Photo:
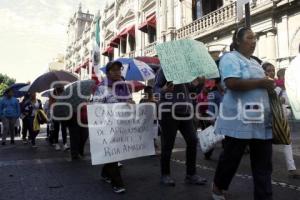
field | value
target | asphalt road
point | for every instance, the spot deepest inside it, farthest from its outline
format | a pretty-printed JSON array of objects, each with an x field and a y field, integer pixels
[{"x": 46, "y": 174}]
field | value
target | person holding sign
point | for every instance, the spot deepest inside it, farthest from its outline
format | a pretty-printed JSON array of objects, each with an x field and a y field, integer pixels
[
  {"x": 177, "y": 98},
  {"x": 245, "y": 118},
  {"x": 111, "y": 90}
]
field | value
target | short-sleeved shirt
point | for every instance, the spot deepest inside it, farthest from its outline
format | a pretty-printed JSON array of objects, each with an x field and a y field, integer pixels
[{"x": 243, "y": 114}]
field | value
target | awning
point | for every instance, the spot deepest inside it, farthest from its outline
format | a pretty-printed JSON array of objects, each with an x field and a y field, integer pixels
[
  {"x": 113, "y": 44},
  {"x": 150, "y": 21},
  {"x": 85, "y": 64},
  {"x": 129, "y": 30},
  {"x": 77, "y": 69},
  {"x": 116, "y": 39},
  {"x": 108, "y": 51}
]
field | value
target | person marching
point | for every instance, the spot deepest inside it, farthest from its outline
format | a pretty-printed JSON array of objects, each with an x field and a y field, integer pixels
[
  {"x": 245, "y": 94},
  {"x": 30, "y": 109},
  {"x": 9, "y": 112},
  {"x": 111, "y": 90},
  {"x": 179, "y": 93}
]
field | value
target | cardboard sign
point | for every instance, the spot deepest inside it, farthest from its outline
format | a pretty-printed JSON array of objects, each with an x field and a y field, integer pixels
[{"x": 120, "y": 131}]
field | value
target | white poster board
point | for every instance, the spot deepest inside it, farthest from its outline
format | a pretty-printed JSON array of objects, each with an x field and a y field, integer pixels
[
  {"x": 292, "y": 85},
  {"x": 120, "y": 131}
]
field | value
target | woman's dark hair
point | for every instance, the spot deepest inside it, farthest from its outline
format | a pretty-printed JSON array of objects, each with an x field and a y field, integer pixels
[
  {"x": 110, "y": 64},
  {"x": 148, "y": 89},
  {"x": 266, "y": 65},
  {"x": 237, "y": 37}
]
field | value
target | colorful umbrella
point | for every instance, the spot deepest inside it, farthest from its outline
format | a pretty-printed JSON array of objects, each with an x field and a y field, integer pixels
[
  {"x": 153, "y": 62},
  {"x": 134, "y": 70}
]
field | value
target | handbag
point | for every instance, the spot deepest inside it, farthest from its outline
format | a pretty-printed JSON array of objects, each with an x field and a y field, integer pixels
[
  {"x": 208, "y": 139},
  {"x": 280, "y": 126}
]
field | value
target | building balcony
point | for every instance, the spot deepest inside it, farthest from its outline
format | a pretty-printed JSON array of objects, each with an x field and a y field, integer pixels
[
  {"x": 86, "y": 52},
  {"x": 149, "y": 50},
  {"x": 131, "y": 54},
  {"x": 67, "y": 56},
  {"x": 220, "y": 18},
  {"x": 77, "y": 47},
  {"x": 85, "y": 40},
  {"x": 69, "y": 66},
  {"x": 78, "y": 59}
]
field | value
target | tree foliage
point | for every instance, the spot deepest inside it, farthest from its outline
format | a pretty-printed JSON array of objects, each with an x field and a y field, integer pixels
[{"x": 5, "y": 82}]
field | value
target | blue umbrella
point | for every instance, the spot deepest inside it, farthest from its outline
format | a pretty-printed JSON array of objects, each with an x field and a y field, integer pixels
[
  {"x": 16, "y": 89},
  {"x": 134, "y": 70}
]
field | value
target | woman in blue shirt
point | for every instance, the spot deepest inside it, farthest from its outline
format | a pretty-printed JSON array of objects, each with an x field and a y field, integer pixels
[{"x": 245, "y": 117}]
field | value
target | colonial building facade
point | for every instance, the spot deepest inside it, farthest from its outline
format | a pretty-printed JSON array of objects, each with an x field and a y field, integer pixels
[
  {"x": 131, "y": 28},
  {"x": 80, "y": 36}
]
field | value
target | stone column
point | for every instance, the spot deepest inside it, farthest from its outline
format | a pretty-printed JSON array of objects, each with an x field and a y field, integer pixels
[
  {"x": 271, "y": 42},
  {"x": 158, "y": 23},
  {"x": 163, "y": 14},
  {"x": 171, "y": 14},
  {"x": 181, "y": 13},
  {"x": 170, "y": 22},
  {"x": 138, "y": 34}
]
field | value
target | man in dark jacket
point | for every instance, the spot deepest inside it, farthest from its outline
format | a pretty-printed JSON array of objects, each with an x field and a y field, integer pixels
[{"x": 176, "y": 102}]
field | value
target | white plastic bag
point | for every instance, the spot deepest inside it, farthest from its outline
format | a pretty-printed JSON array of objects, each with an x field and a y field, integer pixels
[{"x": 208, "y": 139}]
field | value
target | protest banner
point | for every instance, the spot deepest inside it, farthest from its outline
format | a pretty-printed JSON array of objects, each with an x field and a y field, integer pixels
[
  {"x": 120, "y": 131},
  {"x": 184, "y": 60},
  {"x": 292, "y": 83}
]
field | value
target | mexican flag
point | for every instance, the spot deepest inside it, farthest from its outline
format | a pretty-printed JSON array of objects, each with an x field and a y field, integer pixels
[
  {"x": 96, "y": 52},
  {"x": 97, "y": 33}
]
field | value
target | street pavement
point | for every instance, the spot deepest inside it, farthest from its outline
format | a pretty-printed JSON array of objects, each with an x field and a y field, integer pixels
[{"x": 46, "y": 174}]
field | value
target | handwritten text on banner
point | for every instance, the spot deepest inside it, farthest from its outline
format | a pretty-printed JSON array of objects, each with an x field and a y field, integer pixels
[
  {"x": 120, "y": 131},
  {"x": 184, "y": 60}
]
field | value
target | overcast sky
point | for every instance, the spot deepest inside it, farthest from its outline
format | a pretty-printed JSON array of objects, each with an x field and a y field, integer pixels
[{"x": 33, "y": 32}]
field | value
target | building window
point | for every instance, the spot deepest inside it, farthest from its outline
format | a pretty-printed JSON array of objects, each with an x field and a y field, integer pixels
[
  {"x": 197, "y": 9},
  {"x": 151, "y": 34},
  {"x": 110, "y": 57},
  {"x": 204, "y": 7},
  {"x": 123, "y": 46},
  {"x": 131, "y": 40}
]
